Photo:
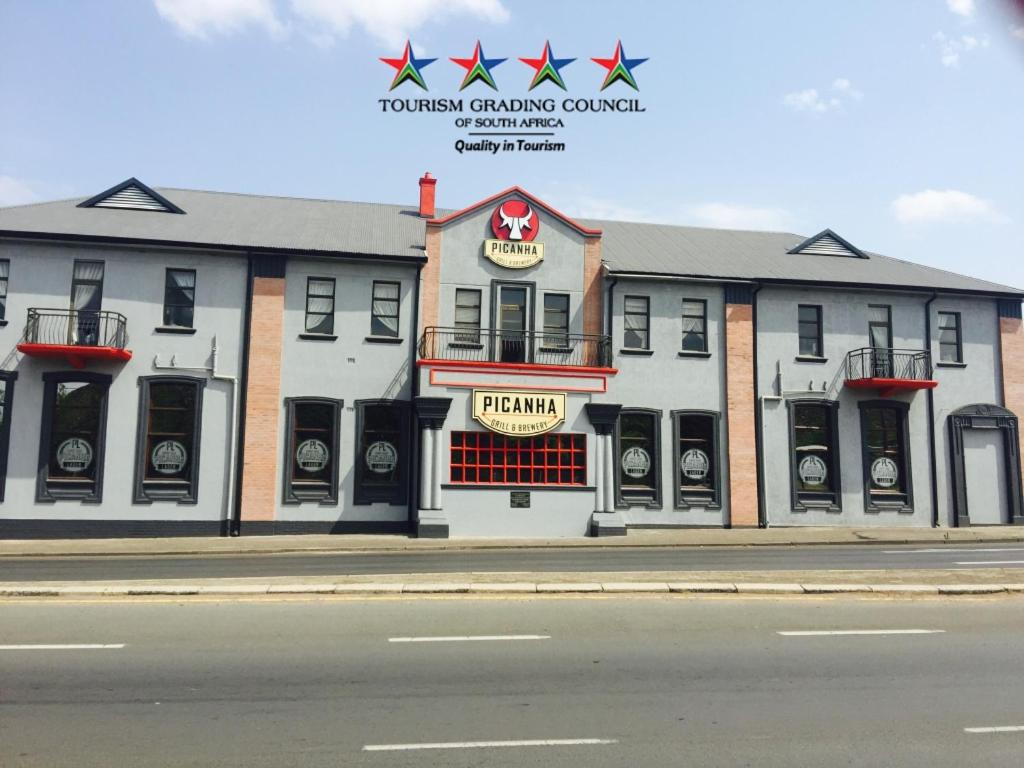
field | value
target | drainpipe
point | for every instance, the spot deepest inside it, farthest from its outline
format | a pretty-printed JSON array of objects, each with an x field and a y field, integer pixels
[
  {"x": 609, "y": 310},
  {"x": 414, "y": 374},
  {"x": 762, "y": 515},
  {"x": 932, "y": 461},
  {"x": 235, "y": 524}
]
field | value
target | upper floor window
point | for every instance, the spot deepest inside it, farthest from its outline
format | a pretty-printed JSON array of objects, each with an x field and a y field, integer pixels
[
  {"x": 86, "y": 301},
  {"x": 695, "y": 325},
  {"x": 5, "y": 271},
  {"x": 950, "y": 338},
  {"x": 556, "y": 319},
  {"x": 384, "y": 319},
  {"x": 320, "y": 305},
  {"x": 467, "y": 315},
  {"x": 180, "y": 298},
  {"x": 167, "y": 459},
  {"x": 809, "y": 329},
  {"x": 72, "y": 436},
  {"x": 880, "y": 326},
  {"x": 637, "y": 322}
]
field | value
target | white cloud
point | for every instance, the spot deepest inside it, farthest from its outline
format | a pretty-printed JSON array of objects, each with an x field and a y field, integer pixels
[
  {"x": 963, "y": 8},
  {"x": 951, "y": 49},
  {"x": 809, "y": 100},
  {"x": 206, "y": 18},
  {"x": 16, "y": 192},
  {"x": 933, "y": 205},
  {"x": 731, "y": 216},
  {"x": 844, "y": 86},
  {"x": 1017, "y": 32}
]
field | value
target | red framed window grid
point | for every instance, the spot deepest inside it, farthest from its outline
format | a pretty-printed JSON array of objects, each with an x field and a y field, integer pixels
[{"x": 488, "y": 458}]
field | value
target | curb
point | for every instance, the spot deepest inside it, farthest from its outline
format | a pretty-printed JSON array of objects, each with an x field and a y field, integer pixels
[{"x": 523, "y": 588}]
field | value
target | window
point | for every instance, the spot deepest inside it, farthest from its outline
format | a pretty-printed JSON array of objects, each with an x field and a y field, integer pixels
[
  {"x": 467, "y": 315},
  {"x": 696, "y": 458},
  {"x": 320, "y": 305},
  {"x": 950, "y": 339},
  {"x": 6, "y": 399},
  {"x": 489, "y": 458},
  {"x": 638, "y": 435},
  {"x": 384, "y": 320},
  {"x": 179, "y": 298},
  {"x": 880, "y": 338},
  {"x": 5, "y": 271},
  {"x": 382, "y": 455},
  {"x": 311, "y": 462},
  {"x": 167, "y": 460},
  {"x": 695, "y": 325},
  {"x": 72, "y": 435},
  {"x": 886, "y": 462},
  {"x": 809, "y": 329},
  {"x": 86, "y": 302},
  {"x": 637, "y": 319},
  {"x": 556, "y": 320},
  {"x": 814, "y": 453}
]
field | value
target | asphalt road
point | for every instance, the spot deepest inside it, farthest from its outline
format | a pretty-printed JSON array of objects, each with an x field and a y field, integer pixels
[
  {"x": 816, "y": 557},
  {"x": 614, "y": 682}
]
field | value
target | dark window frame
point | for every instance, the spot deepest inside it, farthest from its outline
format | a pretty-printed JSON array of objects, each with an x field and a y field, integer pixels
[
  {"x": 557, "y": 339},
  {"x": 310, "y": 279},
  {"x": 148, "y": 491},
  {"x": 646, "y": 314},
  {"x": 801, "y": 501},
  {"x": 468, "y": 334},
  {"x": 398, "y": 310},
  {"x": 636, "y": 498},
  {"x": 44, "y": 492},
  {"x": 168, "y": 286},
  {"x": 887, "y": 325},
  {"x": 686, "y": 499},
  {"x": 819, "y": 336},
  {"x": 870, "y": 503},
  {"x": 5, "y": 278},
  {"x": 296, "y": 495},
  {"x": 957, "y": 328},
  {"x": 398, "y": 493},
  {"x": 703, "y": 317},
  {"x": 8, "y": 378}
]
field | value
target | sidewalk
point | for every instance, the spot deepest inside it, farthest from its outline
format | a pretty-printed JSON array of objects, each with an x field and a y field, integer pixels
[{"x": 687, "y": 537}]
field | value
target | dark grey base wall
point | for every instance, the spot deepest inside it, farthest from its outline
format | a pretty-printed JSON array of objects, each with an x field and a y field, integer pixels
[
  {"x": 285, "y": 527},
  {"x": 125, "y": 529}
]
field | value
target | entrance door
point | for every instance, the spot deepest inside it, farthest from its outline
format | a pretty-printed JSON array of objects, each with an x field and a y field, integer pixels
[
  {"x": 513, "y": 309},
  {"x": 985, "y": 476},
  {"x": 880, "y": 338},
  {"x": 86, "y": 301}
]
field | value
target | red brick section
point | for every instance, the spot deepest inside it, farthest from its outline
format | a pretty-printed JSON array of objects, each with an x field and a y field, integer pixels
[
  {"x": 263, "y": 400},
  {"x": 1011, "y": 340},
  {"x": 593, "y": 295},
  {"x": 739, "y": 382},
  {"x": 430, "y": 278}
]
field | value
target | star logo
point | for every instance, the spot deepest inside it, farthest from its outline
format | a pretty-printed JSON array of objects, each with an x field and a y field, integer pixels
[
  {"x": 546, "y": 68},
  {"x": 478, "y": 68},
  {"x": 408, "y": 68},
  {"x": 619, "y": 68}
]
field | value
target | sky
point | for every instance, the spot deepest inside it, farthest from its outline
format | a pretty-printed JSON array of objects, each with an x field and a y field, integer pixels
[{"x": 897, "y": 124}]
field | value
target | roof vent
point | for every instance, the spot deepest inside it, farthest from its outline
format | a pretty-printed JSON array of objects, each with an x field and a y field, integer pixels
[
  {"x": 828, "y": 243},
  {"x": 132, "y": 195}
]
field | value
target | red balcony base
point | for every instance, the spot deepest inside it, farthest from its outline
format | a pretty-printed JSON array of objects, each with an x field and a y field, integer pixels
[
  {"x": 888, "y": 387},
  {"x": 77, "y": 356}
]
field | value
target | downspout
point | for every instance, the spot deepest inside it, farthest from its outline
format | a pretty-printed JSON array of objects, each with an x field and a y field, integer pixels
[
  {"x": 235, "y": 527},
  {"x": 762, "y": 515},
  {"x": 414, "y": 373},
  {"x": 609, "y": 309},
  {"x": 932, "y": 461}
]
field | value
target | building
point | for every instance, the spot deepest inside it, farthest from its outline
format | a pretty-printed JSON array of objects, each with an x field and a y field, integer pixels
[{"x": 181, "y": 362}]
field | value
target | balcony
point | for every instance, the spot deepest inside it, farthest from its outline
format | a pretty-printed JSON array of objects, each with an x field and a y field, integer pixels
[
  {"x": 76, "y": 335},
  {"x": 889, "y": 370},
  {"x": 516, "y": 349}
]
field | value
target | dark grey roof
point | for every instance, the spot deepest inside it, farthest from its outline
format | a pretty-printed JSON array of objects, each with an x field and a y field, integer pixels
[{"x": 296, "y": 224}]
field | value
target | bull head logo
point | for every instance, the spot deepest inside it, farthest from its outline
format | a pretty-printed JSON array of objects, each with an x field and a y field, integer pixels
[{"x": 516, "y": 224}]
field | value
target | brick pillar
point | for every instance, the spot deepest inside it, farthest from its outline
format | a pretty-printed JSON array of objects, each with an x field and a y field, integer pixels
[
  {"x": 593, "y": 293},
  {"x": 739, "y": 384},
  {"x": 1011, "y": 347},
  {"x": 260, "y": 452},
  {"x": 430, "y": 278}
]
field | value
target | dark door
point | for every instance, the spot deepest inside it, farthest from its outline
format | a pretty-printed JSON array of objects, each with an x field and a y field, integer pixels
[
  {"x": 86, "y": 302},
  {"x": 513, "y": 307},
  {"x": 880, "y": 339}
]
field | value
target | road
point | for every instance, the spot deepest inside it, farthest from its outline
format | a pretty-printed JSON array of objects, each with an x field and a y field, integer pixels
[
  {"x": 655, "y": 681},
  {"x": 790, "y": 558}
]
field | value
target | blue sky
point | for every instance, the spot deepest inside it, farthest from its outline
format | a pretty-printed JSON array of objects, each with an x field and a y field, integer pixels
[{"x": 897, "y": 124}]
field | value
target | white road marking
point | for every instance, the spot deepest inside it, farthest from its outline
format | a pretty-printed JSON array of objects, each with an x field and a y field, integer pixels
[
  {"x": 989, "y": 562},
  {"x": 948, "y": 549},
  {"x": 465, "y": 638},
  {"x": 829, "y": 632},
  {"x": 997, "y": 729},
  {"x": 488, "y": 744},
  {"x": 69, "y": 647}
]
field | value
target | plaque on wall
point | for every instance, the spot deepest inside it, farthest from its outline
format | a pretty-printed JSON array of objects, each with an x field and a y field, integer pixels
[{"x": 519, "y": 499}]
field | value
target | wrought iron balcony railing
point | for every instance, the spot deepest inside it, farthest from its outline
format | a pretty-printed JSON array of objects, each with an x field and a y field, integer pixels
[
  {"x": 76, "y": 328},
  {"x": 533, "y": 347},
  {"x": 911, "y": 367}
]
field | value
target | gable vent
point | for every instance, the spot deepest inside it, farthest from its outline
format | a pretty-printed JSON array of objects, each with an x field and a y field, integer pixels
[
  {"x": 828, "y": 243},
  {"x": 131, "y": 195}
]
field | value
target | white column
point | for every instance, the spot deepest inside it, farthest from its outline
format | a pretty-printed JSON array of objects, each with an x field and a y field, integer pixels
[
  {"x": 599, "y": 472},
  {"x": 609, "y": 476},
  {"x": 435, "y": 494},
  {"x": 426, "y": 468}
]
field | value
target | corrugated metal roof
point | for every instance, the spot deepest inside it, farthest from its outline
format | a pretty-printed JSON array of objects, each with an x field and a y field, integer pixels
[{"x": 372, "y": 229}]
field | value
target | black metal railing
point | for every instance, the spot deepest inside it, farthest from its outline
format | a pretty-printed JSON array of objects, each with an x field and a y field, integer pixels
[
  {"x": 885, "y": 363},
  {"x": 76, "y": 328},
  {"x": 536, "y": 347}
]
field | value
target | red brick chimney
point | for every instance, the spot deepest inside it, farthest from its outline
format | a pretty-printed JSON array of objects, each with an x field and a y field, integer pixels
[{"x": 427, "y": 184}]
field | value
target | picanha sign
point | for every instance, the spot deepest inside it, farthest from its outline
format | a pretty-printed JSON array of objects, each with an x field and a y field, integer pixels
[
  {"x": 515, "y": 225},
  {"x": 519, "y": 414}
]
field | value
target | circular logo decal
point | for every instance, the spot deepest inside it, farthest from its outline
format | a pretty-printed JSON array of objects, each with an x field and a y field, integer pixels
[
  {"x": 515, "y": 220},
  {"x": 812, "y": 470},
  {"x": 636, "y": 462},
  {"x": 311, "y": 455},
  {"x": 74, "y": 455},
  {"x": 381, "y": 457},
  {"x": 884, "y": 472},
  {"x": 694, "y": 464},
  {"x": 169, "y": 457}
]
